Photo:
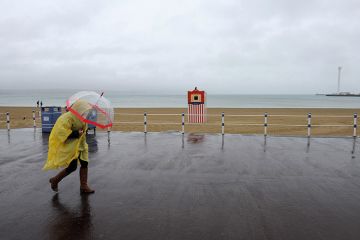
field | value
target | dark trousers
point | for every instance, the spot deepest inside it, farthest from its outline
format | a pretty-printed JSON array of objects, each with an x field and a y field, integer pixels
[{"x": 73, "y": 165}]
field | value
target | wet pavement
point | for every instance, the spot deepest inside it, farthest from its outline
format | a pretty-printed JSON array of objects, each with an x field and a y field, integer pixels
[{"x": 165, "y": 186}]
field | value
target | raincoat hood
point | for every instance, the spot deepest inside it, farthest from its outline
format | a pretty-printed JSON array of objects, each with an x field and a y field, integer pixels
[{"x": 80, "y": 109}]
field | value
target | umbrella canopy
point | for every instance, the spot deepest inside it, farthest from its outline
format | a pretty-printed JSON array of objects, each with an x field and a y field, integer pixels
[{"x": 92, "y": 108}]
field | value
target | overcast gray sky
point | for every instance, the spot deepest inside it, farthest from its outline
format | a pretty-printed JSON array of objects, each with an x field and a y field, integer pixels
[{"x": 227, "y": 46}]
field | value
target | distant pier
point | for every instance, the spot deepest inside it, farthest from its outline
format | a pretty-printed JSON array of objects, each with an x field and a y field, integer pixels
[{"x": 343, "y": 94}]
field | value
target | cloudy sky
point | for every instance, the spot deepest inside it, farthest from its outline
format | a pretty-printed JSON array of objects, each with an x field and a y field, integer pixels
[{"x": 228, "y": 46}]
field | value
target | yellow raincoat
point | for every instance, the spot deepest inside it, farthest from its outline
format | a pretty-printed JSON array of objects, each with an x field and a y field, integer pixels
[{"x": 63, "y": 150}]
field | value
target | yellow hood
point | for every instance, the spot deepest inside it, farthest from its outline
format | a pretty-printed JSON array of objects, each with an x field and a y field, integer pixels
[{"x": 81, "y": 107}]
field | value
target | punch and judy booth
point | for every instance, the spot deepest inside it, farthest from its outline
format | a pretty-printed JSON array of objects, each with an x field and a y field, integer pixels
[{"x": 196, "y": 106}]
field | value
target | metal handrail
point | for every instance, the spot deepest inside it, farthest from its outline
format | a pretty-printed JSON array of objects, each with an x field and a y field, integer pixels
[
  {"x": 266, "y": 124},
  {"x": 220, "y": 122},
  {"x": 231, "y": 115}
]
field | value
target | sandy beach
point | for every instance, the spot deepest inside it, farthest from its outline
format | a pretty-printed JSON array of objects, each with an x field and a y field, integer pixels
[{"x": 132, "y": 119}]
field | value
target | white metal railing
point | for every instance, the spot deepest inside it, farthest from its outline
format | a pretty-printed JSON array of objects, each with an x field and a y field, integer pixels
[
  {"x": 6, "y": 119},
  {"x": 34, "y": 119},
  {"x": 266, "y": 124},
  {"x": 307, "y": 124}
]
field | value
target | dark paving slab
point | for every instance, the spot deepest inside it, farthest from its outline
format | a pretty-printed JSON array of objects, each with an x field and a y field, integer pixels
[{"x": 163, "y": 186}]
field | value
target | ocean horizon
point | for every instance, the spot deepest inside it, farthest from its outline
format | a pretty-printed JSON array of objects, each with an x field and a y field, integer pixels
[{"x": 28, "y": 98}]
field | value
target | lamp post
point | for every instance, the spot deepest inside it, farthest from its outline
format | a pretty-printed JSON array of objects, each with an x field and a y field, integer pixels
[{"x": 339, "y": 74}]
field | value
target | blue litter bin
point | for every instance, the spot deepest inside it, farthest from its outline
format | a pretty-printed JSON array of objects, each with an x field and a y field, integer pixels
[
  {"x": 92, "y": 117},
  {"x": 49, "y": 115}
]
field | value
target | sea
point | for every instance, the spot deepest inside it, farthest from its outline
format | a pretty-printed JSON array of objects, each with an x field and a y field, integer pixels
[{"x": 52, "y": 97}]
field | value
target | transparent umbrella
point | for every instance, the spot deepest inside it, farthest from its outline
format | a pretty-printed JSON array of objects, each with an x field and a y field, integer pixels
[{"x": 97, "y": 111}]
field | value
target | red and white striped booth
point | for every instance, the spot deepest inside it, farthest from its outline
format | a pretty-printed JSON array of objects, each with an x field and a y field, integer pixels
[{"x": 196, "y": 106}]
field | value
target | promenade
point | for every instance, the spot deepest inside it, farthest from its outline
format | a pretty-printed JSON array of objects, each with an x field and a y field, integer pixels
[{"x": 196, "y": 186}]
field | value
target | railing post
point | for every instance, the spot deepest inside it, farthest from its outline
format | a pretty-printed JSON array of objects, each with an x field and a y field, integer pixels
[
  {"x": 145, "y": 123},
  {"x": 222, "y": 123},
  {"x": 33, "y": 114},
  {"x": 309, "y": 125},
  {"x": 355, "y": 125},
  {"x": 182, "y": 123},
  {"x": 265, "y": 123},
  {"x": 8, "y": 121}
]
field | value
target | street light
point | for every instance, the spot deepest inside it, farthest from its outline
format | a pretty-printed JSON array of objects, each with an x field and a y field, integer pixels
[{"x": 339, "y": 73}]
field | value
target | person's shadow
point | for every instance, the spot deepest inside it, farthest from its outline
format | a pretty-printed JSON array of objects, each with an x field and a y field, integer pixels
[{"x": 71, "y": 223}]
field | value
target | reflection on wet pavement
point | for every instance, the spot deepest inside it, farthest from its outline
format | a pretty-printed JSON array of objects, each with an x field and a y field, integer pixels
[
  {"x": 195, "y": 138},
  {"x": 92, "y": 142},
  {"x": 71, "y": 223}
]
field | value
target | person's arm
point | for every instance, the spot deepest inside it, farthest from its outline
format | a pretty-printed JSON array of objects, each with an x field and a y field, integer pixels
[
  {"x": 83, "y": 146},
  {"x": 76, "y": 134}
]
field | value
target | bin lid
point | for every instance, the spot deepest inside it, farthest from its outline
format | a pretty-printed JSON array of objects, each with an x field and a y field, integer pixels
[
  {"x": 92, "y": 108},
  {"x": 51, "y": 109}
]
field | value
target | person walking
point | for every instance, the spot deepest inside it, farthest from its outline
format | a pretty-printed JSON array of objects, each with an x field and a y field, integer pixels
[{"x": 68, "y": 147}]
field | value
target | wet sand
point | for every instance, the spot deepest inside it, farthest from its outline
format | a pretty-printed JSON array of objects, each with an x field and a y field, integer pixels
[
  {"x": 21, "y": 117},
  {"x": 165, "y": 186}
]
